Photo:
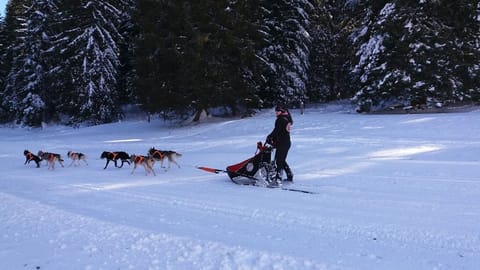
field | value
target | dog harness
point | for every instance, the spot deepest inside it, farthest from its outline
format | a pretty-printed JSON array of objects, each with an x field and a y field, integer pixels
[
  {"x": 114, "y": 155},
  {"x": 30, "y": 156},
  {"x": 159, "y": 153},
  {"x": 75, "y": 155},
  {"x": 139, "y": 159}
]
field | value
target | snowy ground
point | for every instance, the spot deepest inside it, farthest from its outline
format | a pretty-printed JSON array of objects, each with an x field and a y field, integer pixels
[{"x": 393, "y": 192}]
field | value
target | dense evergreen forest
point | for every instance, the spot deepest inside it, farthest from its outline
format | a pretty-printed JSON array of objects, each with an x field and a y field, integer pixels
[{"x": 82, "y": 61}]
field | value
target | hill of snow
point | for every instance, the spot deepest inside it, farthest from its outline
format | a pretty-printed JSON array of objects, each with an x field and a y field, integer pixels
[{"x": 392, "y": 192}]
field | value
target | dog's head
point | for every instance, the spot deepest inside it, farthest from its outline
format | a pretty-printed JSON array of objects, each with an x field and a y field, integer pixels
[
  {"x": 69, "y": 153},
  {"x": 152, "y": 150},
  {"x": 104, "y": 154},
  {"x": 26, "y": 152}
]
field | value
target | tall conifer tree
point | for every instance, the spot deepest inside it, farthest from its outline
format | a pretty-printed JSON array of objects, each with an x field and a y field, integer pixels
[
  {"x": 286, "y": 25},
  {"x": 91, "y": 52}
]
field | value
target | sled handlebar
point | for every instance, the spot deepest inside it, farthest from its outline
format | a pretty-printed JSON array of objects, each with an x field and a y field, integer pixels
[{"x": 262, "y": 146}]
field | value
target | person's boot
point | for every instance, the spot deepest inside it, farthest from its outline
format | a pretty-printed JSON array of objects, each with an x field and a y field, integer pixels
[
  {"x": 277, "y": 181},
  {"x": 289, "y": 173}
]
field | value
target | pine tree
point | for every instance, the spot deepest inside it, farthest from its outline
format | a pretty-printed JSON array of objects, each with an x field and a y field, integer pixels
[
  {"x": 330, "y": 57},
  {"x": 192, "y": 56},
  {"x": 224, "y": 54},
  {"x": 33, "y": 71},
  {"x": 10, "y": 33},
  {"x": 159, "y": 44},
  {"x": 417, "y": 54},
  {"x": 371, "y": 70},
  {"x": 3, "y": 62},
  {"x": 24, "y": 92},
  {"x": 90, "y": 49},
  {"x": 127, "y": 29},
  {"x": 442, "y": 36},
  {"x": 285, "y": 26}
]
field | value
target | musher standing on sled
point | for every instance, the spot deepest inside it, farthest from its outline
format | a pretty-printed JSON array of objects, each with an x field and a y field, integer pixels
[{"x": 280, "y": 139}]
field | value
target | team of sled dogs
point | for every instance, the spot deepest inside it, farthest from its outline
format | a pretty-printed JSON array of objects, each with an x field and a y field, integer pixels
[{"x": 146, "y": 161}]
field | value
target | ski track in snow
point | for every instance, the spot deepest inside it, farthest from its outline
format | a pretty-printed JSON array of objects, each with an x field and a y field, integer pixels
[{"x": 392, "y": 192}]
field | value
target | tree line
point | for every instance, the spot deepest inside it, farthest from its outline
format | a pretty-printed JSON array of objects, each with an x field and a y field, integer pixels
[{"x": 81, "y": 61}]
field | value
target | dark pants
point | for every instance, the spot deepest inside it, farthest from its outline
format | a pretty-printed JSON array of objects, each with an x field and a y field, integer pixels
[{"x": 280, "y": 159}]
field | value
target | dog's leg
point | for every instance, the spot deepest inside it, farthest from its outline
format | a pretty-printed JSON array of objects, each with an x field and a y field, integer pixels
[
  {"x": 125, "y": 161},
  {"x": 134, "y": 167},
  {"x": 170, "y": 160},
  {"x": 151, "y": 167},
  {"x": 146, "y": 169},
  {"x": 108, "y": 160},
  {"x": 176, "y": 163}
]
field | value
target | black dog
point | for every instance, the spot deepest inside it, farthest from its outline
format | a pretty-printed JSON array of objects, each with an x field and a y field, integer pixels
[
  {"x": 114, "y": 156},
  {"x": 29, "y": 156}
]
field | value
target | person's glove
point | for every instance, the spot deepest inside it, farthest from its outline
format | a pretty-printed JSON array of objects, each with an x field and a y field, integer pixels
[{"x": 270, "y": 140}]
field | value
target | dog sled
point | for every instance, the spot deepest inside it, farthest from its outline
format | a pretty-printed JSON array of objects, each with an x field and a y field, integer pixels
[{"x": 259, "y": 170}]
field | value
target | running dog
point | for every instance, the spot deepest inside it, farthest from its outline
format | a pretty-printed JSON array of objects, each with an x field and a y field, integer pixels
[
  {"x": 76, "y": 157},
  {"x": 29, "y": 156},
  {"x": 160, "y": 155},
  {"x": 50, "y": 158},
  {"x": 146, "y": 162},
  {"x": 114, "y": 156}
]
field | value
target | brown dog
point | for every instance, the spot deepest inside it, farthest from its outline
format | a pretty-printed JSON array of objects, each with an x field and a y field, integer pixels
[
  {"x": 50, "y": 158},
  {"x": 146, "y": 162},
  {"x": 160, "y": 155},
  {"x": 76, "y": 157}
]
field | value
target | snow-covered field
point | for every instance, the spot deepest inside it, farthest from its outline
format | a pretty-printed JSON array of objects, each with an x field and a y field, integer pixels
[{"x": 392, "y": 192}]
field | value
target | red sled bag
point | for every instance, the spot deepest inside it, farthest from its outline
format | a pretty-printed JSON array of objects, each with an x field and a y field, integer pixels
[{"x": 245, "y": 172}]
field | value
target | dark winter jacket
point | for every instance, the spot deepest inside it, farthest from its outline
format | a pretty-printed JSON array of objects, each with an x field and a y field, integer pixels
[{"x": 280, "y": 136}]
